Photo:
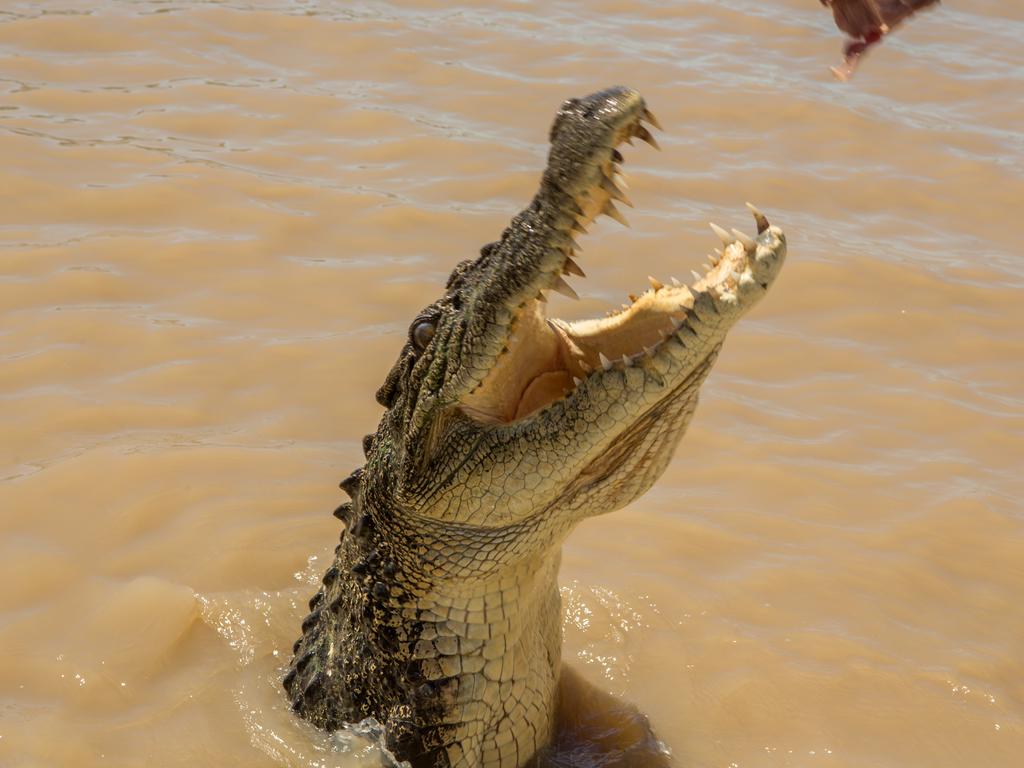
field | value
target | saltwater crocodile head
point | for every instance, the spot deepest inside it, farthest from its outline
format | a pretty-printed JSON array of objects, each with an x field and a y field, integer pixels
[
  {"x": 500, "y": 415},
  {"x": 504, "y": 428}
]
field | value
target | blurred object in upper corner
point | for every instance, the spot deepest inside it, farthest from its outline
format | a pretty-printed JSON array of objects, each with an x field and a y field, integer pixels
[{"x": 866, "y": 22}]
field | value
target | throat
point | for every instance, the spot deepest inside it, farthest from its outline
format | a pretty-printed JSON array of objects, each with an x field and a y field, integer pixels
[
  {"x": 546, "y": 388},
  {"x": 530, "y": 373}
]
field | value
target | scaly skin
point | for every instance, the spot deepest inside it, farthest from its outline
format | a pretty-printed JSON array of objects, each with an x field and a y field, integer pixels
[{"x": 440, "y": 615}]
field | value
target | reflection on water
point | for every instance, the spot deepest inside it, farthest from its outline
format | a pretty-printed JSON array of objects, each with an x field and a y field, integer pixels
[{"x": 217, "y": 220}]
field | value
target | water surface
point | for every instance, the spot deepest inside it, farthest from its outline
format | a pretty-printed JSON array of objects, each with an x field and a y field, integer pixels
[{"x": 217, "y": 219}]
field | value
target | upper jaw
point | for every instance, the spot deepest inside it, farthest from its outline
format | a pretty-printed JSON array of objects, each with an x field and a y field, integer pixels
[
  {"x": 582, "y": 181},
  {"x": 536, "y": 251},
  {"x": 532, "y": 361}
]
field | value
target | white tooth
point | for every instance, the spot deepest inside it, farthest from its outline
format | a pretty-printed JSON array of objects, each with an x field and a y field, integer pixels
[
  {"x": 564, "y": 288},
  {"x": 718, "y": 252},
  {"x": 676, "y": 282},
  {"x": 722, "y": 234},
  {"x": 576, "y": 381},
  {"x": 747, "y": 240},
  {"x": 586, "y": 367},
  {"x": 627, "y": 360},
  {"x": 655, "y": 283},
  {"x": 612, "y": 212},
  {"x": 707, "y": 267},
  {"x": 608, "y": 185},
  {"x": 650, "y": 118},
  {"x": 572, "y": 268},
  {"x": 644, "y": 134},
  {"x": 649, "y": 351},
  {"x": 605, "y": 362},
  {"x": 759, "y": 218},
  {"x": 696, "y": 276},
  {"x": 714, "y": 259},
  {"x": 620, "y": 180},
  {"x": 565, "y": 240}
]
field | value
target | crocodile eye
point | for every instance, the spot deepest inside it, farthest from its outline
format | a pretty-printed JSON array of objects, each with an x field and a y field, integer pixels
[{"x": 422, "y": 333}]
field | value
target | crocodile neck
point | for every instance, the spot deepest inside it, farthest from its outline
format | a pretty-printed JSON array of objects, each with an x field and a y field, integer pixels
[{"x": 458, "y": 670}]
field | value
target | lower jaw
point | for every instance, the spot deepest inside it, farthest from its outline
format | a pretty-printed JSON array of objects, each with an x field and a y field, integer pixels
[{"x": 548, "y": 359}]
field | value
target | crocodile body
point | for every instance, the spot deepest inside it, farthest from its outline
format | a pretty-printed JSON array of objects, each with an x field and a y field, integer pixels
[{"x": 440, "y": 615}]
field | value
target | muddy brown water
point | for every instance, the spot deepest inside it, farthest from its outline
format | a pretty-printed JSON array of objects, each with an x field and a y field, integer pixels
[{"x": 217, "y": 219}]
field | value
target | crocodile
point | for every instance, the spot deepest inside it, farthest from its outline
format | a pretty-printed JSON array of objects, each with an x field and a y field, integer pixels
[{"x": 503, "y": 428}]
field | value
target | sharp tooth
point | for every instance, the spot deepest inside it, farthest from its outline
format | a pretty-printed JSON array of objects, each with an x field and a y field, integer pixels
[
  {"x": 649, "y": 351},
  {"x": 627, "y": 360},
  {"x": 541, "y": 296},
  {"x": 747, "y": 240},
  {"x": 574, "y": 207},
  {"x": 620, "y": 180},
  {"x": 576, "y": 381},
  {"x": 632, "y": 297},
  {"x": 676, "y": 282},
  {"x": 578, "y": 227},
  {"x": 722, "y": 234},
  {"x": 585, "y": 367},
  {"x": 642, "y": 133},
  {"x": 707, "y": 267},
  {"x": 759, "y": 218},
  {"x": 714, "y": 259},
  {"x": 696, "y": 275},
  {"x": 609, "y": 186},
  {"x": 719, "y": 252},
  {"x": 605, "y": 362},
  {"x": 572, "y": 268},
  {"x": 612, "y": 212},
  {"x": 655, "y": 283},
  {"x": 650, "y": 118},
  {"x": 565, "y": 240},
  {"x": 564, "y": 288}
]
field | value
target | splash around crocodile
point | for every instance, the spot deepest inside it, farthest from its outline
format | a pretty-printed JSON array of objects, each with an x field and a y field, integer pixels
[{"x": 504, "y": 428}]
